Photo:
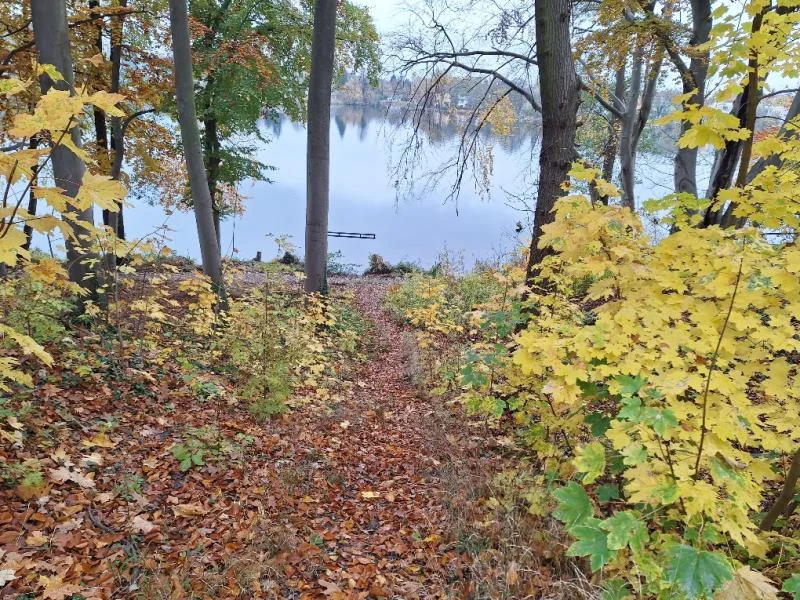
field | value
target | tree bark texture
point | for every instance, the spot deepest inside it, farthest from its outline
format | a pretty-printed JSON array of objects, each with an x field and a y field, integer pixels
[
  {"x": 560, "y": 92},
  {"x": 190, "y": 135},
  {"x": 51, "y": 37},
  {"x": 318, "y": 153},
  {"x": 693, "y": 81}
]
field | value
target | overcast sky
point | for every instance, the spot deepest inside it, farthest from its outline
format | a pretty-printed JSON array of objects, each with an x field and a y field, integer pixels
[{"x": 384, "y": 12}]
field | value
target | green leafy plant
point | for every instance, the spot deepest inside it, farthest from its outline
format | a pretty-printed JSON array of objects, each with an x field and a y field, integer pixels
[{"x": 189, "y": 455}]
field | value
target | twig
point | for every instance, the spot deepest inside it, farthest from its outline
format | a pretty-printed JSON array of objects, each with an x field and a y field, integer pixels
[{"x": 711, "y": 367}]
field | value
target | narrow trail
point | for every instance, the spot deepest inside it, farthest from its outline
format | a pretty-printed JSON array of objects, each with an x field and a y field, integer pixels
[
  {"x": 372, "y": 487},
  {"x": 361, "y": 495}
]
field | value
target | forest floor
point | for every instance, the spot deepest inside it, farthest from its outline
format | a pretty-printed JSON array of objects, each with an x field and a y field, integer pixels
[{"x": 381, "y": 494}]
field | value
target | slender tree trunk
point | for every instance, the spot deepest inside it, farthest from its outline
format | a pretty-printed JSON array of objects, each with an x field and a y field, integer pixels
[
  {"x": 560, "y": 94},
  {"x": 785, "y": 132},
  {"x": 32, "y": 203},
  {"x": 318, "y": 153},
  {"x": 100, "y": 125},
  {"x": 115, "y": 220},
  {"x": 109, "y": 262},
  {"x": 612, "y": 142},
  {"x": 190, "y": 135},
  {"x": 786, "y": 495},
  {"x": 51, "y": 36},
  {"x": 694, "y": 82},
  {"x": 611, "y": 145},
  {"x": 725, "y": 161},
  {"x": 627, "y": 151},
  {"x": 648, "y": 95},
  {"x": 739, "y": 151},
  {"x": 211, "y": 149}
]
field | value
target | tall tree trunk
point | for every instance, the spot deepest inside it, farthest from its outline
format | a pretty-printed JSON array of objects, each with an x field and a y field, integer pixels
[
  {"x": 693, "y": 81},
  {"x": 32, "y": 203},
  {"x": 612, "y": 141},
  {"x": 726, "y": 159},
  {"x": 115, "y": 220},
  {"x": 217, "y": 226},
  {"x": 51, "y": 36},
  {"x": 109, "y": 263},
  {"x": 560, "y": 94},
  {"x": 318, "y": 152},
  {"x": 211, "y": 148},
  {"x": 190, "y": 135},
  {"x": 627, "y": 151},
  {"x": 744, "y": 108}
]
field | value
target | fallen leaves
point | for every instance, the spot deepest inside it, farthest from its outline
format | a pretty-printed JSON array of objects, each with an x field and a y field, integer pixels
[
  {"x": 36, "y": 539},
  {"x": 64, "y": 474},
  {"x": 140, "y": 524},
  {"x": 6, "y": 575},
  {"x": 100, "y": 440},
  {"x": 189, "y": 510},
  {"x": 351, "y": 515},
  {"x": 56, "y": 589}
]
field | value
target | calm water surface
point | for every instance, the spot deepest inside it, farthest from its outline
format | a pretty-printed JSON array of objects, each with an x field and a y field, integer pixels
[
  {"x": 365, "y": 146},
  {"x": 363, "y": 198}
]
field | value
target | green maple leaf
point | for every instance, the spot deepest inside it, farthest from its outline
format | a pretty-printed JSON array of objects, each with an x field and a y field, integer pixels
[
  {"x": 608, "y": 492},
  {"x": 574, "y": 505},
  {"x": 635, "y": 454},
  {"x": 615, "y": 589},
  {"x": 631, "y": 409},
  {"x": 598, "y": 422},
  {"x": 792, "y": 585},
  {"x": 660, "y": 421},
  {"x": 591, "y": 541},
  {"x": 591, "y": 460},
  {"x": 629, "y": 386},
  {"x": 697, "y": 574},
  {"x": 666, "y": 491},
  {"x": 626, "y": 528}
]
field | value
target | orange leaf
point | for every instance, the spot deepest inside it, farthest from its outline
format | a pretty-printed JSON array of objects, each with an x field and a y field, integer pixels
[{"x": 189, "y": 510}]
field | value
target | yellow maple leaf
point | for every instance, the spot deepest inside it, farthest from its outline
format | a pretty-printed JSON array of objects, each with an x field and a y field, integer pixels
[
  {"x": 747, "y": 584},
  {"x": 107, "y": 102},
  {"x": 101, "y": 440},
  {"x": 100, "y": 190},
  {"x": 11, "y": 245},
  {"x": 56, "y": 589},
  {"x": 55, "y": 111}
]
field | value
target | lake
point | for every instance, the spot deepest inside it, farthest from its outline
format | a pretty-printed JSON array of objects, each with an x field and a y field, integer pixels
[
  {"x": 365, "y": 143},
  {"x": 412, "y": 219}
]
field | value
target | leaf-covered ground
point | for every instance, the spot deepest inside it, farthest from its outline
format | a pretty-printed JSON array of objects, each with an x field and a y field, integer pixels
[{"x": 359, "y": 498}]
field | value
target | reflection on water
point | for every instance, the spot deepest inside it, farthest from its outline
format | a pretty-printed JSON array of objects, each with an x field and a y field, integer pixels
[
  {"x": 440, "y": 128},
  {"x": 364, "y": 197}
]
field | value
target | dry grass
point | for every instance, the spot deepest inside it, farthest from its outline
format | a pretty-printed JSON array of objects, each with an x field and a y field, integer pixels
[
  {"x": 512, "y": 553},
  {"x": 509, "y": 553},
  {"x": 256, "y": 570}
]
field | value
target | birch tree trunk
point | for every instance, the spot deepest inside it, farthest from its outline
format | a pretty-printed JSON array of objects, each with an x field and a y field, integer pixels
[
  {"x": 190, "y": 136},
  {"x": 51, "y": 37},
  {"x": 318, "y": 153}
]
